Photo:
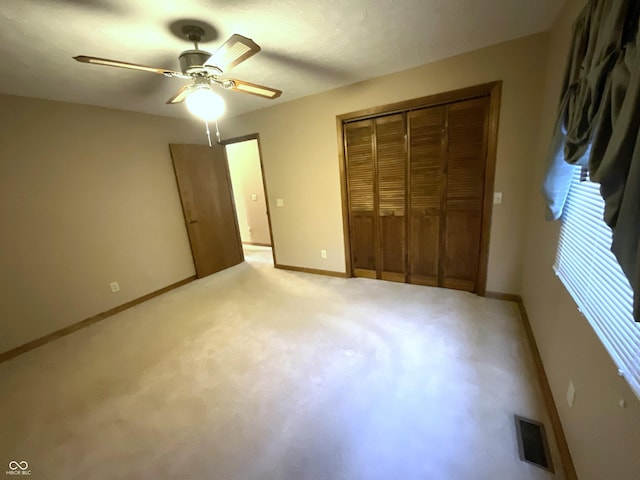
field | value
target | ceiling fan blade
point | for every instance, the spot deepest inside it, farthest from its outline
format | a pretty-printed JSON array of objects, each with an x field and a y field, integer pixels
[
  {"x": 232, "y": 52},
  {"x": 252, "y": 88},
  {"x": 130, "y": 66},
  {"x": 180, "y": 96}
]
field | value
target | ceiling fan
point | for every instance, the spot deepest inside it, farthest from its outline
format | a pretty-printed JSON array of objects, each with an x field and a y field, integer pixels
[{"x": 203, "y": 68}]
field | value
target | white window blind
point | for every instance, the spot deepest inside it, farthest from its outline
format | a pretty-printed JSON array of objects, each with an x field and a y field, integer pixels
[{"x": 593, "y": 277}]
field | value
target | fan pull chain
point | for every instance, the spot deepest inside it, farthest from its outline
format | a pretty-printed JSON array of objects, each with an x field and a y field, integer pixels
[
  {"x": 217, "y": 133},
  {"x": 206, "y": 124}
]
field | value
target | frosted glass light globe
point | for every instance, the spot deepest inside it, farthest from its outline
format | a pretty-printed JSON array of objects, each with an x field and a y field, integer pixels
[{"x": 205, "y": 104}]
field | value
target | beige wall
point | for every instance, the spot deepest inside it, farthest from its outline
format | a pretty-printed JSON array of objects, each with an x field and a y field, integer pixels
[
  {"x": 300, "y": 152},
  {"x": 604, "y": 438},
  {"x": 88, "y": 196},
  {"x": 246, "y": 178}
]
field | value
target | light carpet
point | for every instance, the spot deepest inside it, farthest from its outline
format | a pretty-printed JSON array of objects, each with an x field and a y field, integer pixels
[{"x": 258, "y": 373}]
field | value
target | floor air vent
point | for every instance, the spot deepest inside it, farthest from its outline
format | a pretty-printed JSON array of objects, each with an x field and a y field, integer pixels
[{"x": 532, "y": 443}]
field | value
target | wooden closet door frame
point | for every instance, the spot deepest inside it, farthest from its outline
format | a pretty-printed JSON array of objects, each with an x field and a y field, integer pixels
[{"x": 493, "y": 91}]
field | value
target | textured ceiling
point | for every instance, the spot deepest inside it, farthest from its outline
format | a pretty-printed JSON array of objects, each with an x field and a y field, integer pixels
[{"x": 308, "y": 46}]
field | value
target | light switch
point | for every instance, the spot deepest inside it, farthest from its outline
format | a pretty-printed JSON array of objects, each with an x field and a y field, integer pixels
[
  {"x": 571, "y": 394},
  {"x": 254, "y": 197},
  {"x": 497, "y": 198},
  {"x": 279, "y": 202}
]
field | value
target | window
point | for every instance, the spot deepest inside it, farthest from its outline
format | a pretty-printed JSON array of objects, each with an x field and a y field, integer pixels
[{"x": 591, "y": 274}]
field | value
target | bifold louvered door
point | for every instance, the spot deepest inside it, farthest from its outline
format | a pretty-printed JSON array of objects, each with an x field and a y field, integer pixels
[
  {"x": 427, "y": 150},
  {"x": 361, "y": 183},
  {"x": 463, "y": 204},
  {"x": 376, "y": 179},
  {"x": 415, "y": 184},
  {"x": 391, "y": 168}
]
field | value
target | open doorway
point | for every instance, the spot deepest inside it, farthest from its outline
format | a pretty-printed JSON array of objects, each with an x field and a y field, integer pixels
[{"x": 249, "y": 191}]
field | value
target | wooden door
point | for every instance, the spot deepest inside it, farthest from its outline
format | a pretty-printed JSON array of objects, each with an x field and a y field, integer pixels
[
  {"x": 467, "y": 128},
  {"x": 391, "y": 169},
  {"x": 427, "y": 160},
  {"x": 416, "y": 187},
  {"x": 361, "y": 185},
  {"x": 204, "y": 184},
  {"x": 418, "y": 176},
  {"x": 447, "y": 157}
]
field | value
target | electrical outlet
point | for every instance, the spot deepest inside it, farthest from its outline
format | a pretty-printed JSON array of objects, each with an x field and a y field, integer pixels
[
  {"x": 571, "y": 394},
  {"x": 254, "y": 197},
  {"x": 323, "y": 253},
  {"x": 279, "y": 202},
  {"x": 114, "y": 286}
]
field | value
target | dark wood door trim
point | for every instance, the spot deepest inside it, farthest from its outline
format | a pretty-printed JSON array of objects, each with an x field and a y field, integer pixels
[
  {"x": 493, "y": 90},
  {"x": 256, "y": 136},
  {"x": 467, "y": 93},
  {"x": 495, "y": 96},
  {"x": 346, "y": 228}
]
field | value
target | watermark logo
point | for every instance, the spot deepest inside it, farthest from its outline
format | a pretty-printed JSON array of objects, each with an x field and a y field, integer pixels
[{"x": 18, "y": 468}]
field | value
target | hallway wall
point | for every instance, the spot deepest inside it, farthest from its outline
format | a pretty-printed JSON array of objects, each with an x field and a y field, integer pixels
[{"x": 248, "y": 192}]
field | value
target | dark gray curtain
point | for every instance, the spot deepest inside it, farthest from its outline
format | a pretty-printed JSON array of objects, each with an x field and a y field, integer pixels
[{"x": 599, "y": 124}]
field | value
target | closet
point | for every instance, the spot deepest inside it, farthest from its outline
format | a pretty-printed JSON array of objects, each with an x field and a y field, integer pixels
[{"x": 416, "y": 189}]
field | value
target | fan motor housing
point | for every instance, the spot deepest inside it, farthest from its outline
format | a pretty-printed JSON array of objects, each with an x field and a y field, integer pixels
[{"x": 193, "y": 62}]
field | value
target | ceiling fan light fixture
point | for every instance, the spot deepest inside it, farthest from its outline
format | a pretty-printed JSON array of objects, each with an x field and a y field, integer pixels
[{"x": 205, "y": 104}]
